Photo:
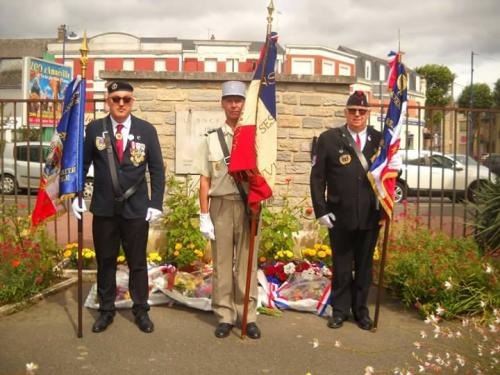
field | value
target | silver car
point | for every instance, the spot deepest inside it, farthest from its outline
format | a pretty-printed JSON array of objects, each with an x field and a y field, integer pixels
[
  {"x": 17, "y": 172},
  {"x": 435, "y": 174}
]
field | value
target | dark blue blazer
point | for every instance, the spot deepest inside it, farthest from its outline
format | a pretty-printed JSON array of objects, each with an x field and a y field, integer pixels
[{"x": 142, "y": 153}]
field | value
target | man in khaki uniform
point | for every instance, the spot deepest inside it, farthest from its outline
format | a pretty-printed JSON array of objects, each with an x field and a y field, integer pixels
[{"x": 223, "y": 220}]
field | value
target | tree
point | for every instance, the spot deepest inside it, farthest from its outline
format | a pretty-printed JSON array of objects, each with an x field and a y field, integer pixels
[
  {"x": 482, "y": 97},
  {"x": 439, "y": 79},
  {"x": 496, "y": 94}
]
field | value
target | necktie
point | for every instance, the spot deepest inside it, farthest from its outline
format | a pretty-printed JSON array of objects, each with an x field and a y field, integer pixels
[
  {"x": 119, "y": 141},
  {"x": 358, "y": 142}
]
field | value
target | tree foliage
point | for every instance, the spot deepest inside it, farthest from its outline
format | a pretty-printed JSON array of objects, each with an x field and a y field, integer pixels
[
  {"x": 496, "y": 94},
  {"x": 481, "y": 98},
  {"x": 439, "y": 78}
]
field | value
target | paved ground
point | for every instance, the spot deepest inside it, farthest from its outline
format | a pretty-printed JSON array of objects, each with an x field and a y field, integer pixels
[{"x": 183, "y": 343}]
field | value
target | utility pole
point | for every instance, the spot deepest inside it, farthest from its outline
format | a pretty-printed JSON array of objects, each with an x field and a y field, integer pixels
[{"x": 470, "y": 129}]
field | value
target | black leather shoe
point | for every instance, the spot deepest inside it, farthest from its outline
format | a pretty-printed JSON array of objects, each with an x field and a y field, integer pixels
[
  {"x": 253, "y": 331},
  {"x": 223, "y": 330},
  {"x": 104, "y": 320},
  {"x": 144, "y": 323},
  {"x": 365, "y": 323},
  {"x": 335, "y": 322}
]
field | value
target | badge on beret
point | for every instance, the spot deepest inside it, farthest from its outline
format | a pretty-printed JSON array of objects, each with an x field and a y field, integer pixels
[
  {"x": 114, "y": 86},
  {"x": 137, "y": 153},
  {"x": 99, "y": 143},
  {"x": 345, "y": 159}
]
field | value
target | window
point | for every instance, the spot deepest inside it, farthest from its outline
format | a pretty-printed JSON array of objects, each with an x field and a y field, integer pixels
[
  {"x": 160, "y": 65},
  {"x": 128, "y": 64},
  {"x": 211, "y": 65},
  {"x": 99, "y": 101},
  {"x": 301, "y": 66},
  {"x": 22, "y": 153},
  {"x": 417, "y": 83},
  {"x": 344, "y": 70},
  {"x": 381, "y": 73},
  {"x": 98, "y": 66},
  {"x": 368, "y": 70},
  {"x": 328, "y": 68},
  {"x": 232, "y": 65}
]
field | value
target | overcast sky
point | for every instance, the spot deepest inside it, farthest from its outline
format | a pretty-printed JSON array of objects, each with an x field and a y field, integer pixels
[{"x": 432, "y": 31}]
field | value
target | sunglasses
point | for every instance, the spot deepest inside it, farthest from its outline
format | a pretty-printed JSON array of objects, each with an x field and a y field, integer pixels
[
  {"x": 117, "y": 99},
  {"x": 354, "y": 111}
]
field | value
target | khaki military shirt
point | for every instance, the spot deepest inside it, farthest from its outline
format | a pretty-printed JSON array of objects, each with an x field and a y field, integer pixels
[{"x": 211, "y": 163}]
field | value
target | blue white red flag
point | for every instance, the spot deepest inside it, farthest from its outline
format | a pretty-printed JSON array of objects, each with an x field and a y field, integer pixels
[
  {"x": 254, "y": 150},
  {"x": 62, "y": 175},
  {"x": 383, "y": 178}
]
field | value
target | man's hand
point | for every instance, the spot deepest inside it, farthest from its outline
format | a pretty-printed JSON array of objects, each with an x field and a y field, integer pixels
[
  {"x": 77, "y": 210},
  {"x": 396, "y": 162},
  {"x": 327, "y": 220},
  {"x": 206, "y": 226},
  {"x": 153, "y": 214}
]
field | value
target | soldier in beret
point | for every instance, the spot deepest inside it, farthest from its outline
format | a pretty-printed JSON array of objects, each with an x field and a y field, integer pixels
[
  {"x": 122, "y": 147},
  {"x": 350, "y": 208},
  {"x": 224, "y": 221}
]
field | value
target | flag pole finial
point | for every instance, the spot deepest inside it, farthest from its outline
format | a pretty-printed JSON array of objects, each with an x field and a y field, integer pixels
[
  {"x": 270, "y": 11},
  {"x": 84, "y": 52}
]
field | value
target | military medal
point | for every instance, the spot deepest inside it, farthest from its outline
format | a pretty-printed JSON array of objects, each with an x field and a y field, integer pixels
[
  {"x": 345, "y": 159},
  {"x": 137, "y": 153},
  {"x": 118, "y": 136},
  {"x": 99, "y": 143}
]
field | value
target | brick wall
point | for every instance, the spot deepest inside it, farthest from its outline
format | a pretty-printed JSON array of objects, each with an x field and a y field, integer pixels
[{"x": 306, "y": 106}]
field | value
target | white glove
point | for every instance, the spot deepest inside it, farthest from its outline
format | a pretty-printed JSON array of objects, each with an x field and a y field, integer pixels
[
  {"x": 153, "y": 214},
  {"x": 206, "y": 227},
  {"x": 327, "y": 220},
  {"x": 77, "y": 210},
  {"x": 396, "y": 162}
]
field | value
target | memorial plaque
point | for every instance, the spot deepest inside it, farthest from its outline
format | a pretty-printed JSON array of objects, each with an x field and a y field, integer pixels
[{"x": 190, "y": 128}]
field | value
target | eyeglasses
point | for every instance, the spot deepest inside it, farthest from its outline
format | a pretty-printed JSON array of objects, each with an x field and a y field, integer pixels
[
  {"x": 354, "y": 111},
  {"x": 117, "y": 99}
]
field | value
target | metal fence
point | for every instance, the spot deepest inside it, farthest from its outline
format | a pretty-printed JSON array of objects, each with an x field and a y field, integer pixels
[{"x": 448, "y": 153}]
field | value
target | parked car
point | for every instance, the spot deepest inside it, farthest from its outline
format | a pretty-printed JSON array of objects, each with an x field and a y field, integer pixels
[
  {"x": 19, "y": 172},
  {"x": 492, "y": 161},
  {"x": 436, "y": 173}
]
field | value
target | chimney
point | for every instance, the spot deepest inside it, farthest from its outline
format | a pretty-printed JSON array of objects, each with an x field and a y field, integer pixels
[{"x": 61, "y": 30}]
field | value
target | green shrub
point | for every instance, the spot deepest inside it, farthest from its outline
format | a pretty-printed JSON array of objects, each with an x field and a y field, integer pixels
[
  {"x": 430, "y": 270},
  {"x": 27, "y": 256},
  {"x": 184, "y": 242},
  {"x": 487, "y": 216}
]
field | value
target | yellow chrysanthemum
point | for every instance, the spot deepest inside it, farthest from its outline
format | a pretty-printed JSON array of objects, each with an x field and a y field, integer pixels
[
  {"x": 67, "y": 253},
  {"x": 321, "y": 254},
  {"x": 120, "y": 259},
  {"x": 87, "y": 255},
  {"x": 176, "y": 253},
  {"x": 328, "y": 252},
  {"x": 191, "y": 246},
  {"x": 289, "y": 254},
  {"x": 178, "y": 246},
  {"x": 324, "y": 247},
  {"x": 317, "y": 246},
  {"x": 312, "y": 252}
]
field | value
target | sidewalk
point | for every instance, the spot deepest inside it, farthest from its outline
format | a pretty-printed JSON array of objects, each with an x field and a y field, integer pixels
[{"x": 183, "y": 342}]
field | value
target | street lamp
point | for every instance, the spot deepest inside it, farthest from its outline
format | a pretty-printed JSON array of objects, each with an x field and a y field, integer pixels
[{"x": 66, "y": 35}]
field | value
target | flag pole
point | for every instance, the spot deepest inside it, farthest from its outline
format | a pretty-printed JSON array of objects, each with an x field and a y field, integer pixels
[
  {"x": 253, "y": 223},
  {"x": 383, "y": 257},
  {"x": 84, "y": 50},
  {"x": 381, "y": 273}
]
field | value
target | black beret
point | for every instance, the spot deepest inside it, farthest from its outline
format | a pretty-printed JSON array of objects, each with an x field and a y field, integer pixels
[
  {"x": 119, "y": 86},
  {"x": 358, "y": 98}
]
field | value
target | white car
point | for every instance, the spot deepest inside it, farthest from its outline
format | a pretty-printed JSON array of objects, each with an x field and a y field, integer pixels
[
  {"x": 435, "y": 173},
  {"x": 17, "y": 172}
]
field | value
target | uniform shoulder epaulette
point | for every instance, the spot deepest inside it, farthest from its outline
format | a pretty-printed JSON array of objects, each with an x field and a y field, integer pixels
[{"x": 210, "y": 131}]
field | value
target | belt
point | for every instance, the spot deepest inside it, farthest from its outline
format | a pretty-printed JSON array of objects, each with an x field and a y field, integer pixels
[{"x": 229, "y": 197}]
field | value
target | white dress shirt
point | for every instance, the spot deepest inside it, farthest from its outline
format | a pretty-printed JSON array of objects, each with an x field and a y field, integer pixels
[
  {"x": 125, "y": 130},
  {"x": 362, "y": 136}
]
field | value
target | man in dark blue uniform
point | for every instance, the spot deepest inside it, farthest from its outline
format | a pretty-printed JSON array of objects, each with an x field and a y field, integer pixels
[
  {"x": 126, "y": 146},
  {"x": 350, "y": 208}
]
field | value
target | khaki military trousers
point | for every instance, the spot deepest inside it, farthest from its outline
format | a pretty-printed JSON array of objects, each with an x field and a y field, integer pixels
[{"x": 230, "y": 260}]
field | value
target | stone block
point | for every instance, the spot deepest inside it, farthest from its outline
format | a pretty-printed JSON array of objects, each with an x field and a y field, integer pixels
[
  {"x": 290, "y": 99},
  {"x": 287, "y": 145},
  {"x": 302, "y": 157},
  {"x": 311, "y": 100},
  {"x": 154, "y": 106},
  {"x": 171, "y": 95},
  {"x": 312, "y": 122},
  {"x": 288, "y": 122},
  {"x": 204, "y": 96},
  {"x": 284, "y": 156},
  {"x": 297, "y": 168},
  {"x": 300, "y": 111},
  {"x": 145, "y": 94}
]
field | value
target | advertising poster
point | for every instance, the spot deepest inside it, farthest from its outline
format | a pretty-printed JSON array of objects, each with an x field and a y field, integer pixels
[{"x": 44, "y": 80}]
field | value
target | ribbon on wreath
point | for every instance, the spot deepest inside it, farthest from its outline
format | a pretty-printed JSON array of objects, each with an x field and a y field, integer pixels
[
  {"x": 325, "y": 300},
  {"x": 272, "y": 292}
]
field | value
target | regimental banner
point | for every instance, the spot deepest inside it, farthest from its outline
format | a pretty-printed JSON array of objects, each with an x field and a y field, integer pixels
[{"x": 44, "y": 80}]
